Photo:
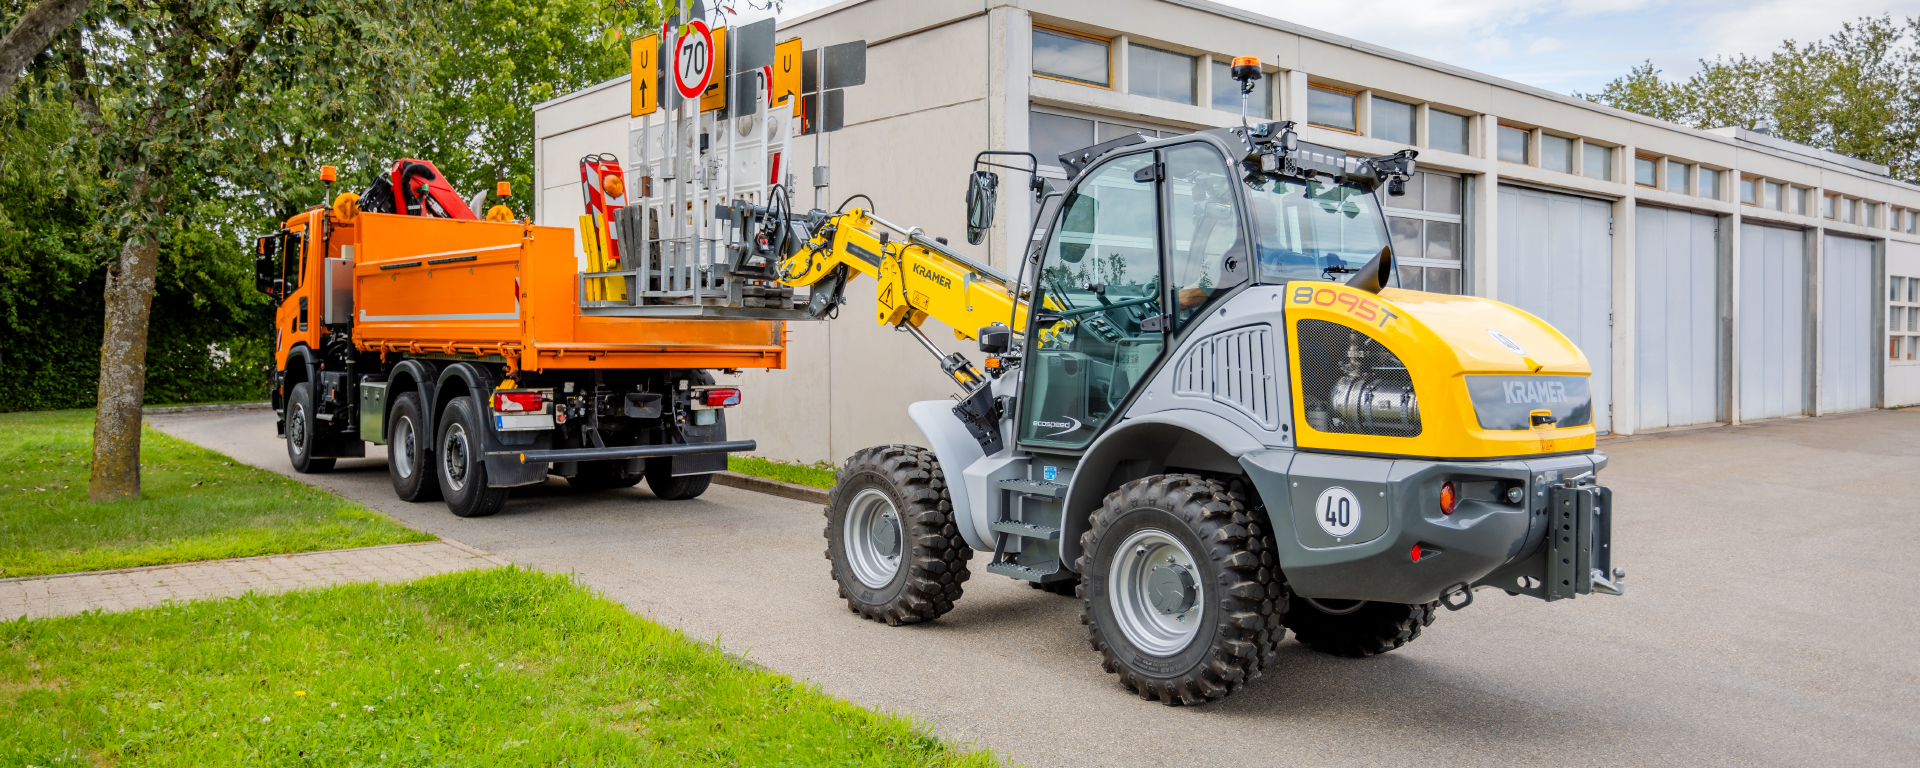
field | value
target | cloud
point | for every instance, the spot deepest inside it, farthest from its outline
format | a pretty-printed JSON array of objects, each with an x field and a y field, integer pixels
[{"x": 1546, "y": 45}]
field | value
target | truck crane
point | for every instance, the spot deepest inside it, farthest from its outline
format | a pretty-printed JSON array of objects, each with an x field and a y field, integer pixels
[{"x": 1206, "y": 411}]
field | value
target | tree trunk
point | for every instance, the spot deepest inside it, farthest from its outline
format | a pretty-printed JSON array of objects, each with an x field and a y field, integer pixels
[
  {"x": 31, "y": 34},
  {"x": 123, "y": 367}
]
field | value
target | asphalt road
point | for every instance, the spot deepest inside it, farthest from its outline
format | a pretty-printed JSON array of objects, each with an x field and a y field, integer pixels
[{"x": 1769, "y": 620}]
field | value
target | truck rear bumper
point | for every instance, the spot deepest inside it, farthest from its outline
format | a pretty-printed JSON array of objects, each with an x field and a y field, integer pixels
[
  {"x": 1401, "y": 547},
  {"x": 626, "y": 451}
]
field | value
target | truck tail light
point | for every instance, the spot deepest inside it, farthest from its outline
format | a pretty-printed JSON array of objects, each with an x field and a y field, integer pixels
[
  {"x": 720, "y": 397},
  {"x": 1449, "y": 498},
  {"x": 519, "y": 402}
]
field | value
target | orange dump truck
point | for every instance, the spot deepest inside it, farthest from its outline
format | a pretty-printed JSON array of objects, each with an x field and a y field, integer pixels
[{"x": 463, "y": 346}]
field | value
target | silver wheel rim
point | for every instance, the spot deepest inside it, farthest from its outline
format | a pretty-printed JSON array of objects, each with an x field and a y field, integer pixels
[
  {"x": 872, "y": 538},
  {"x": 403, "y": 447},
  {"x": 297, "y": 429},
  {"x": 1157, "y": 594},
  {"x": 454, "y": 455}
]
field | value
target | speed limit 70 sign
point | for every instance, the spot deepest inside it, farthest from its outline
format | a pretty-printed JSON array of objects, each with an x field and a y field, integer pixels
[{"x": 693, "y": 60}]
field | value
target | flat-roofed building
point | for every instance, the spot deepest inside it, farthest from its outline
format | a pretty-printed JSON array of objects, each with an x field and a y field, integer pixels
[{"x": 1710, "y": 276}]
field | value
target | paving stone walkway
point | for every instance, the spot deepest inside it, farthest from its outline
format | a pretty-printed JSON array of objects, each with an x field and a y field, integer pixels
[{"x": 130, "y": 588}]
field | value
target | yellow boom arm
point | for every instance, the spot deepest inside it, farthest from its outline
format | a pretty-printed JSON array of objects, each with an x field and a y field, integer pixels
[{"x": 918, "y": 278}]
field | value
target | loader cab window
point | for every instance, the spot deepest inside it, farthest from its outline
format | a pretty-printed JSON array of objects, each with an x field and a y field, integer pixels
[
  {"x": 1315, "y": 230},
  {"x": 1099, "y": 280},
  {"x": 1207, "y": 254}
]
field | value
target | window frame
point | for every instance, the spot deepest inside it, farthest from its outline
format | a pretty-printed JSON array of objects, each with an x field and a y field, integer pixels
[
  {"x": 1575, "y": 148},
  {"x": 1388, "y": 211},
  {"x": 1701, "y": 188},
  {"x": 1311, "y": 86},
  {"x": 1193, "y": 74},
  {"x": 1106, "y": 41},
  {"x": 1909, "y": 304},
  {"x": 1466, "y": 130},
  {"x": 1655, "y": 160},
  {"x": 1525, "y": 132}
]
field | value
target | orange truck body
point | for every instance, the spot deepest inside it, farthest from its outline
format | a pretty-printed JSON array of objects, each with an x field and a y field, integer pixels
[{"x": 502, "y": 291}]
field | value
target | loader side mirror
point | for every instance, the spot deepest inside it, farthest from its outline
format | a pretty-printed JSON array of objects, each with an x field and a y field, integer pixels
[{"x": 982, "y": 188}]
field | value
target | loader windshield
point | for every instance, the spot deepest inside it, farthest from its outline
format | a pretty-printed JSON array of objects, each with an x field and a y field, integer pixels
[{"x": 1315, "y": 230}]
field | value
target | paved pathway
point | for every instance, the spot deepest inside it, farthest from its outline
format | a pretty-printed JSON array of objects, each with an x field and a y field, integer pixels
[{"x": 130, "y": 588}]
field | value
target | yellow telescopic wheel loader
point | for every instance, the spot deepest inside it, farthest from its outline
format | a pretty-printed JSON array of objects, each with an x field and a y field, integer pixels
[{"x": 1207, "y": 411}]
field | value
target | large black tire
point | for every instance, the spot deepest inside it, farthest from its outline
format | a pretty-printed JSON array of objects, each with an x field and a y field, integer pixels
[
  {"x": 302, "y": 431},
  {"x": 1370, "y": 629},
  {"x": 661, "y": 481},
  {"x": 602, "y": 476},
  {"x": 931, "y": 556},
  {"x": 1236, "y": 599},
  {"x": 409, "y": 462},
  {"x": 461, "y": 461}
]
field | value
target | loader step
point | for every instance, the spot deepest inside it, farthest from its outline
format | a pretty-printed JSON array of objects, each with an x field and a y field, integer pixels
[
  {"x": 1035, "y": 488},
  {"x": 1027, "y": 530},
  {"x": 1026, "y": 573}
]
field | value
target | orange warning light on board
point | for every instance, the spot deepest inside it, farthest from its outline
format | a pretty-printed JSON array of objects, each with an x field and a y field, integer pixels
[
  {"x": 1246, "y": 68},
  {"x": 503, "y": 189},
  {"x": 328, "y": 173}
]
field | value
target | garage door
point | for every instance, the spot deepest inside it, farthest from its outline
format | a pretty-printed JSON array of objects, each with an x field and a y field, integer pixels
[
  {"x": 1676, "y": 317},
  {"x": 1773, "y": 286},
  {"x": 1556, "y": 261},
  {"x": 1846, "y": 327}
]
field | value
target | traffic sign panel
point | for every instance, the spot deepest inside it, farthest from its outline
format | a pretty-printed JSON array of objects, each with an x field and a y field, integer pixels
[
  {"x": 646, "y": 75},
  {"x": 693, "y": 60}
]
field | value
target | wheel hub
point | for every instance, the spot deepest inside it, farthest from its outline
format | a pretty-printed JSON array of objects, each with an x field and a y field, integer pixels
[
  {"x": 403, "y": 440},
  {"x": 872, "y": 538},
  {"x": 454, "y": 454},
  {"x": 297, "y": 429},
  {"x": 1156, "y": 592},
  {"x": 1171, "y": 588}
]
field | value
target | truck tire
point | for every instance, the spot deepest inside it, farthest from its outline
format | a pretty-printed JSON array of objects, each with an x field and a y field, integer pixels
[
  {"x": 301, "y": 431},
  {"x": 461, "y": 461},
  {"x": 661, "y": 481},
  {"x": 1182, "y": 599},
  {"x": 601, "y": 476},
  {"x": 409, "y": 463},
  {"x": 1357, "y": 629},
  {"x": 895, "y": 551}
]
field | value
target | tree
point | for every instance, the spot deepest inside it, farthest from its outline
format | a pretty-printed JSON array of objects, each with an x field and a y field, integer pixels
[
  {"x": 204, "y": 89},
  {"x": 1854, "y": 93},
  {"x": 31, "y": 34}
]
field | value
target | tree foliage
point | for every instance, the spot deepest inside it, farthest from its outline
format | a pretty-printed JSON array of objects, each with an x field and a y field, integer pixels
[{"x": 1855, "y": 92}]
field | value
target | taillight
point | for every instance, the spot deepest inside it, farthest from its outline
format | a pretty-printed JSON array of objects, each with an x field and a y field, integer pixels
[
  {"x": 719, "y": 397},
  {"x": 1448, "y": 498},
  {"x": 518, "y": 402}
]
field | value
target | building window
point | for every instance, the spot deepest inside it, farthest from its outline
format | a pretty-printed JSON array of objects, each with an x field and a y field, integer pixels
[
  {"x": 1513, "y": 145},
  {"x": 1446, "y": 131},
  {"x": 1679, "y": 177},
  {"x": 1903, "y": 319},
  {"x": 1596, "y": 162},
  {"x": 1644, "y": 170},
  {"x": 1159, "y": 74},
  {"x": 1913, "y": 223},
  {"x": 1333, "y": 108},
  {"x": 1393, "y": 121},
  {"x": 1426, "y": 230},
  {"x": 1710, "y": 183},
  {"x": 1072, "y": 57},
  {"x": 1848, "y": 209},
  {"x": 1226, "y": 92},
  {"x": 1775, "y": 197},
  {"x": 1749, "y": 190},
  {"x": 1869, "y": 214},
  {"x": 1556, "y": 153},
  {"x": 1829, "y": 206},
  {"x": 1049, "y": 135},
  {"x": 1798, "y": 197}
]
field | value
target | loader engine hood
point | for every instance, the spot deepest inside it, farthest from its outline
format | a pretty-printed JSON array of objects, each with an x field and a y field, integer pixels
[{"x": 1407, "y": 373}]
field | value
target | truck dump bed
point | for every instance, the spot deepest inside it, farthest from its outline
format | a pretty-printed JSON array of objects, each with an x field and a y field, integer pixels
[{"x": 511, "y": 291}]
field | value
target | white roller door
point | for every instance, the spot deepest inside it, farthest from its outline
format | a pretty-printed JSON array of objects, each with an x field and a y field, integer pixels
[
  {"x": 1556, "y": 261},
  {"x": 1773, "y": 283},
  {"x": 1676, "y": 316},
  {"x": 1846, "y": 325}
]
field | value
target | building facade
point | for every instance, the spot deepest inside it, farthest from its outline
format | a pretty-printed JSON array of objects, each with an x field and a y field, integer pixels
[{"x": 1718, "y": 276}]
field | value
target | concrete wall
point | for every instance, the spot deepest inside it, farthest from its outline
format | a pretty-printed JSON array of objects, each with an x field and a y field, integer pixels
[{"x": 948, "y": 78}]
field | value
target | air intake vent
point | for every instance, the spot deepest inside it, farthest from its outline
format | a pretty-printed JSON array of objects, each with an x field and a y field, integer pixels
[
  {"x": 1235, "y": 368},
  {"x": 1352, "y": 385}
]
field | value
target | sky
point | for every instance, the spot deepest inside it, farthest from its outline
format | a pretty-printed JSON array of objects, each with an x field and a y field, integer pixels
[{"x": 1560, "y": 45}]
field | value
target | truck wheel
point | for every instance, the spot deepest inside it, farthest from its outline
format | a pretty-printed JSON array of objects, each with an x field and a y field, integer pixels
[
  {"x": 661, "y": 481},
  {"x": 409, "y": 463},
  {"x": 301, "y": 434},
  {"x": 1357, "y": 628},
  {"x": 891, "y": 539},
  {"x": 601, "y": 476},
  {"x": 461, "y": 461},
  {"x": 1182, "y": 599}
]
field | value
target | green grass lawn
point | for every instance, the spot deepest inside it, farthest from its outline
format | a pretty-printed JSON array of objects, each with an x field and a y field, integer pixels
[
  {"x": 819, "y": 474},
  {"x": 496, "y": 667},
  {"x": 196, "y": 505}
]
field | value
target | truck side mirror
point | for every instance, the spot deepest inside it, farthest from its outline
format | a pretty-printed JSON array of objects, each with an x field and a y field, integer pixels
[
  {"x": 265, "y": 277},
  {"x": 982, "y": 187}
]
